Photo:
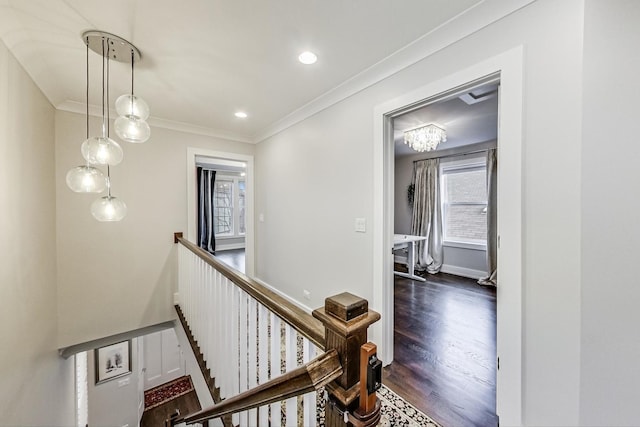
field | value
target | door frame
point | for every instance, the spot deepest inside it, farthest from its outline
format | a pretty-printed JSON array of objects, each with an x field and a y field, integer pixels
[
  {"x": 192, "y": 205},
  {"x": 508, "y": 69}
]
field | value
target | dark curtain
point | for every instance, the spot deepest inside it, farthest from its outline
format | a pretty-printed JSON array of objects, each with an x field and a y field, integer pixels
[{"x": 206, "y": 232}]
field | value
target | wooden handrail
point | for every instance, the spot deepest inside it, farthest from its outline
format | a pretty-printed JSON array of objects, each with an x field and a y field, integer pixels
[
  {"x": 299, "y": 319},
  {"x": 316, "y": 373}
]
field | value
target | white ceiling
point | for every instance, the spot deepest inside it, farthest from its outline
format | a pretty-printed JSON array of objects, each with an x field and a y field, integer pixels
[
  {"x": 205, "y": 59},
  {"x": 467, "y": 119}
]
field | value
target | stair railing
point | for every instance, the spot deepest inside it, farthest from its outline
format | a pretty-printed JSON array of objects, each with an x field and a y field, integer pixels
[{"x": 260, "y": 347}]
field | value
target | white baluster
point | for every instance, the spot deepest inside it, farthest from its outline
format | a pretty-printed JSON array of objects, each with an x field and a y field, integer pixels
[
  {"x": 244, "y": 351},
  {"x": 217, "y": 316},
  {"x": 309, "y": 399},
  {"x": 263, "y": 359},
  {"x": 226, "y": 341},
  {"x": 276, "y": 348},
  {"x": 210, "y": 349},
  {"x": 234, "y": 347},
  {"x": 253, "y": 353},
  {"x": 291, "y": 349}
]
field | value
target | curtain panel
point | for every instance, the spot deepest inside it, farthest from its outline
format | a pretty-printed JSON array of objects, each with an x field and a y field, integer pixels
[
  {"x": 492, "y": 220},
  {"x": 427, "y": 215},
  {"x": 206, "y": 187}
]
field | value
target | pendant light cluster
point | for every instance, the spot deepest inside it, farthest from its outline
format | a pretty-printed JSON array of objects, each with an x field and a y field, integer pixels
[{"x": 130, "y": 126}]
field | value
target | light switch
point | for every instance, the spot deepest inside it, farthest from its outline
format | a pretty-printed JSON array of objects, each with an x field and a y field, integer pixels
[
  {"x": 361, "y": 225},
  {"x": 261, "y": 217}
]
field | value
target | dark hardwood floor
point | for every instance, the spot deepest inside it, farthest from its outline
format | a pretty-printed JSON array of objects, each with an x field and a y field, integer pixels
[
  {"x": 186, "y": 404},
  {"x": 233, "y": 258},
  {"x": 445, "y": 349}
]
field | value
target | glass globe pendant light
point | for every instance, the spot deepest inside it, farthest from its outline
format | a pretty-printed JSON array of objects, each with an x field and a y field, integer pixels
[
  {"x": 131, "y": 126},
  {"x": 108, "y": 208},
  {"x": 131, "y": 105},
  {"x": 86, "y": 178},
  {"x": 132, "y": 129},
  {"x": 103, "y": 150}
]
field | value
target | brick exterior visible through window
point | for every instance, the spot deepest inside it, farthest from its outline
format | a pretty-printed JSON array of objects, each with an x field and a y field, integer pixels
[{"x": 464, "y": 199}]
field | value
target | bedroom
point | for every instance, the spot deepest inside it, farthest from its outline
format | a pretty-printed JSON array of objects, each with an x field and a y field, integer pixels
[{"x": 445, "y": 306}]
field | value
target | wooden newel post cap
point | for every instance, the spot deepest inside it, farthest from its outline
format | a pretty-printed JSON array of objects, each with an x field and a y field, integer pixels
[
  {"x": 346, "y": 318},
  {"x": 346, "y": 314},
  {"x": 346, "y": 306}
]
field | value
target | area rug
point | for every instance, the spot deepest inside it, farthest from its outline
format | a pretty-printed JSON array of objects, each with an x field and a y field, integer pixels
[
  {"x": 398, "y": 412},
  {"x": 395, "y": 411},
  {"x": 163, "y": 393}
]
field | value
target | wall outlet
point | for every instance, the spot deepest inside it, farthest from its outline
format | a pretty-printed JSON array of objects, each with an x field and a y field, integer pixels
[
  {"x": 361, "y": 225},
  {"x": 307, "y": 295},
  {"x": 261, "y": 217}
]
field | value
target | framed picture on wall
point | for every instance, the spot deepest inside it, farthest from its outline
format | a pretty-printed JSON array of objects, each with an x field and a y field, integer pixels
[{"x": 113, "y": 361}]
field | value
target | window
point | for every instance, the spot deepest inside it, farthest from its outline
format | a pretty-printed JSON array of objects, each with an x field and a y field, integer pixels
[
  {"x": 229, "y": 206},
  {"x": 464, "y": 204}
]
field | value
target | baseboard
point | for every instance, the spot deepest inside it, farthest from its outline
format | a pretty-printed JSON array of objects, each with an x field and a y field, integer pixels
[
  {"x": 192, "y": 367},
  {"x": 451, "y": 269},
  {"x": 464, "y": 272},
  {"x": 399, "y": 259},
  {"x": 283, "y": 295},
  {"x": 220, "y": 247}
]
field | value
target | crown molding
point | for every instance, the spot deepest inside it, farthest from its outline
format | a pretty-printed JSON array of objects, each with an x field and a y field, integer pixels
[
  {"x": 464, "y": 24},
  {"x": 96, "y": 111}
]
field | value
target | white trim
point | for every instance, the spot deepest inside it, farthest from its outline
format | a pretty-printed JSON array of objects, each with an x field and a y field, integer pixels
[
  {"x": 192, "y": 367},
  {"x": 96, "y": 111},
  {"x": 249, "y": 236},
  {"x": 450, "y": 269},
  {"x": 465, "y": 245},
  {"x": 399, "y": 259},
  {"x": 509, "y": 67},
  {"x": 466, "y": 23},
  {"x": 283, "y": 295},
  {"x": 462, "y": 271},
  {"x": 223, "y": 247}
]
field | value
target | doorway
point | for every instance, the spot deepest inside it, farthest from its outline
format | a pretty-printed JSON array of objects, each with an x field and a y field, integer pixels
[
  {"x": 444, "y": 319},
  {"x": 507, "y": 69},
  {"x": 236, "y": 172}
]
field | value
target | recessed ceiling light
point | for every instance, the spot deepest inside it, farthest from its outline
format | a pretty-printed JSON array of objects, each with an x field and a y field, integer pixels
[
  {"x": 307, "y": 58},
  {"x": 241, "y": 115}
]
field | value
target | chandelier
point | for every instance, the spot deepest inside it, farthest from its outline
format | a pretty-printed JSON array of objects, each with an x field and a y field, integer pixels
[
  {"x": 131, "y": 126},
  {"x": 425, "y": 137}
]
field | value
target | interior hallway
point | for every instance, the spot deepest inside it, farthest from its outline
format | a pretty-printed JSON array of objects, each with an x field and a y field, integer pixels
[{"x": 445, "y": 349}]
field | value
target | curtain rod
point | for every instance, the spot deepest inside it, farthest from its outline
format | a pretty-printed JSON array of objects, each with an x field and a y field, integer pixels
[{"x": 454, "y": 155}]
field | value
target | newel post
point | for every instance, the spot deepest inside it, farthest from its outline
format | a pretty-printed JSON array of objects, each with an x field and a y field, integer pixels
[{"x": 346, "y": 318}]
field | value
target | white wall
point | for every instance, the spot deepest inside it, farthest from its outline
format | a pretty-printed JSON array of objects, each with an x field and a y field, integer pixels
[
  {"x": 36, "y": 386},
  {"x": 610, "y": 362},
  {"x": 114, "y": 277},
  {"x": 314, "y": 178}
]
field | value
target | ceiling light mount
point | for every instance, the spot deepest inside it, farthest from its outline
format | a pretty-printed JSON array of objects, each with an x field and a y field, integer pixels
[{"x": 119, "y": 49}]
